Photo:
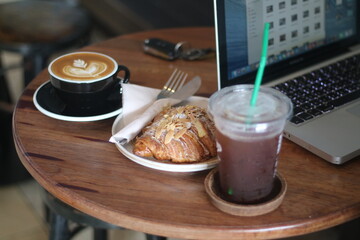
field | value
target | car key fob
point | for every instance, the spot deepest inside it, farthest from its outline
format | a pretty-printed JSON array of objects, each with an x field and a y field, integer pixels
[{"x": 161, "y": 48}]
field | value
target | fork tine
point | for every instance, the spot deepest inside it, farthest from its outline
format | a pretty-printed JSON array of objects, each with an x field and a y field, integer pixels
[
  {"x": 169, "y": 82},
  {"x": 183, "y": 81},
  {"x": 179, "y": 81},
  {"x": 175, "y": 82}
]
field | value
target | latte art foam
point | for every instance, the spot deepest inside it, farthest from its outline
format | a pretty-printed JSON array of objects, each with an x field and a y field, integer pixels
[
  {"x": 84, "y": 66},
  {"x": 81, "y": 68}
]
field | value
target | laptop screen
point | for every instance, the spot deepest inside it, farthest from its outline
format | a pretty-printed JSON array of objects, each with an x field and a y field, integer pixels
[{"x": 302, "y": 32}]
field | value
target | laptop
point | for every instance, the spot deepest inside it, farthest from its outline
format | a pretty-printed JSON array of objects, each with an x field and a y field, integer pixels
[{"x": 313, "y": 57}]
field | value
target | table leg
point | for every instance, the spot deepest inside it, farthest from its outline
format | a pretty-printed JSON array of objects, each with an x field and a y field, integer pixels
[
  {"x": 59, "y": 228},
  {"x": 100, "y": 234},
  {"x": 153, "y": 237},
  {"x": 4, "y": 89}
]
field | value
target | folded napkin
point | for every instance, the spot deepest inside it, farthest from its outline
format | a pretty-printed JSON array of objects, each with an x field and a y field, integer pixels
[{"x": 139, "y": 108}]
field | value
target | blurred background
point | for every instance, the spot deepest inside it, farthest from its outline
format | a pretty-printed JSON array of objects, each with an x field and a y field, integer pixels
[
  {"x": 26, "y": 47},
  {"x": 31, "y": 34}
]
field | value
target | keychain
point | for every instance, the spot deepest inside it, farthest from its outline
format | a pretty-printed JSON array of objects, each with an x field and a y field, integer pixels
[{"x": 171, "y": 51}]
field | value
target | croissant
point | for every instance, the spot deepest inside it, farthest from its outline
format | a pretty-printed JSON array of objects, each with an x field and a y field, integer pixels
[{"x": 180, "y": 134}]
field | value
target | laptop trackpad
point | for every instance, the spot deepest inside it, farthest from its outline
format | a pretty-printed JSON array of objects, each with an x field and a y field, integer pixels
[
  {"x": 355, "y": 110},
  {"x": 336, "y": 134}
]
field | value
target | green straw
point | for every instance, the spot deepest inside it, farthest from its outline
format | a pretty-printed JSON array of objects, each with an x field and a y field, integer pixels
[{"x": 262, "y": 64}]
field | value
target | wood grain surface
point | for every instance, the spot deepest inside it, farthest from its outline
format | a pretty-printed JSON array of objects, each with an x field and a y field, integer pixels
[{"x": 75, "y": 162}]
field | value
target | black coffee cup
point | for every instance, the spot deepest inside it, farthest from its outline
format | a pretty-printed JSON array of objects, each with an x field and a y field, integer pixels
[{"x": 84, "y": 81}]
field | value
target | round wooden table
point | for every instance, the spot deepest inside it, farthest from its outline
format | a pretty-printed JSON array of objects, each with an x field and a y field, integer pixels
[{"x": 75, "y": 162}]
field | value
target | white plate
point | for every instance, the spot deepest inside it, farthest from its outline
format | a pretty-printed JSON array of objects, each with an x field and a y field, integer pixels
[{"x": 126, "y": 149}]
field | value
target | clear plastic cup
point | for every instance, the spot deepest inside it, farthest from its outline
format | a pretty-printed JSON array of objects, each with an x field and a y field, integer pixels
[{"x": 248, "y": 140}]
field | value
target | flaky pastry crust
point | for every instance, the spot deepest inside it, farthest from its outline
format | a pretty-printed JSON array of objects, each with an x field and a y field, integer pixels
[{"x": 180, "y": 134}]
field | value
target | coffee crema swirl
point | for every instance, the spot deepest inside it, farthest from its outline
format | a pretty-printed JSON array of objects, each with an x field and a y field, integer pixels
[
  {"x": 86, "y": 70},
  {"x": 83, "y": 67}
]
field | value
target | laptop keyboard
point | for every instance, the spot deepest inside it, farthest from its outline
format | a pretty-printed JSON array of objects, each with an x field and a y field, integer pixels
[{"x": 324, "y": 89}]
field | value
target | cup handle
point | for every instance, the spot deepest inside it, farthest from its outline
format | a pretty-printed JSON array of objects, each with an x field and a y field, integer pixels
[{"x": 127, "y": 73}]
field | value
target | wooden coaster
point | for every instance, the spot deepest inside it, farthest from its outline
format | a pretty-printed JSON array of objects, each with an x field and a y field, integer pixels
[{"x": 212, "y": 189}]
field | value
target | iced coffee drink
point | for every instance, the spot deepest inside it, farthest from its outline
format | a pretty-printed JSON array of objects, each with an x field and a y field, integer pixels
[{"x": 248, "y": 140}]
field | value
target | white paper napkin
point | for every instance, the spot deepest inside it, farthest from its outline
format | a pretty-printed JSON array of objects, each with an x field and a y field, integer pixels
[{"x": 139, "y": 108}]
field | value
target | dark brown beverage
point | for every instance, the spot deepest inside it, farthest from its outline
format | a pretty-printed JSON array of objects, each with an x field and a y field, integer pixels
[
  {"x": 247, "y": 167},
  {"x": 248, "y": 140}
]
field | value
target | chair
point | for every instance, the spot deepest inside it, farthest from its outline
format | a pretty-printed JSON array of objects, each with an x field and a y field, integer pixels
[
  {"x": 11, "y": 169},
  {"x": 62, "y": 218},
  {"x": 37, "y": 29},
  {"x": 34, "y": 29}
]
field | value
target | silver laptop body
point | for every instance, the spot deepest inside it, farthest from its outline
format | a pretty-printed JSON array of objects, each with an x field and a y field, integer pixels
[{"x": 334, "y": 135}]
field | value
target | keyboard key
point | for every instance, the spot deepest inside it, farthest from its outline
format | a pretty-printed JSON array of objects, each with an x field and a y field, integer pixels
[
  {"x": 315, "y": 112},
  {"x": 345, "y": 99},
  {"x": 296, "y": 120},
  {"x": 326, "y": 107},
  {"x": 297, "y": 110},
  {"x": 305, "y": 116},
  {"x": 306, "y": 106},
  {"x": 323, "y": 89}
]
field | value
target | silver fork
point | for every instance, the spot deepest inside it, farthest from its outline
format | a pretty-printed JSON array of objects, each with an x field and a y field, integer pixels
[{"x": 175, "y": 82}]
